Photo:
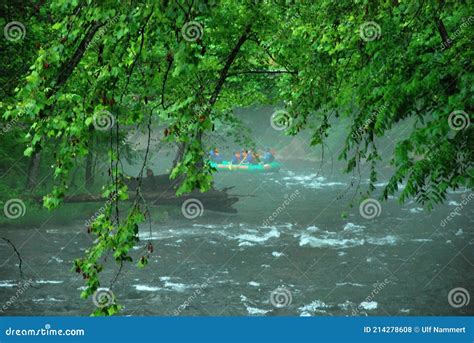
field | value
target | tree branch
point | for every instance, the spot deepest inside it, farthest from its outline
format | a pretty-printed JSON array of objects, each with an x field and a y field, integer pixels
[
  {"x": 68, "y": 67},
  {"x": 230, "y": 60},
  {"x": 163, "y": 87},
  {"x": 261, "y": 72},
  {"x": 17, "y": 254},
  {"x": 443, "y": 33}
]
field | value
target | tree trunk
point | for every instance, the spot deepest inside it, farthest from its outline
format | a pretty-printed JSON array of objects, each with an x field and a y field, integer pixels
[
  {"x": 89, "y": 175},
  {"x": 179, "y": 154},
  {"x": 33, "y": 171},
  {"x": 443, "y": 33}
]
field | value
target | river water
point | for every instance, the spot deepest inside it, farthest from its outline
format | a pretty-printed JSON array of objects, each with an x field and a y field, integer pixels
[{"x": 295, "y": 247}]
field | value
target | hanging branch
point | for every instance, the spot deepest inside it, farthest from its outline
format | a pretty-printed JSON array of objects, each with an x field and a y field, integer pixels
[
  {"x": 68, "y": 67},
  {"x": 17, "y": 254},
  {"x": 163, "y": 87},
  {"x": 129, "y": 75},
  {"x": 230, "y": 60}
]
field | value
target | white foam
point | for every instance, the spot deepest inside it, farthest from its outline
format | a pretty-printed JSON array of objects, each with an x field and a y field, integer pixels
[
  {"x": 460, "y": 232},
  {"x": 7, "y": 283},
  {"x": 354, "y": 227},
  {"x": 246, "y": 244},
  {"x": 178, "y": 287},
  {"x": 254, "y": 284},
  {"x": 211, "y": 226},
  {"x": 337, "y": 243},
  {"x": 51, "y": 299},
  {"x": 458, "y": 191},
  {"x": 52, "y": 282},
  {"x": 368, "y": 305},
  {"x": 416, "y": 210},
  {"x": 273, "y": 233},
  {"x": 340, "y": 284},
  {"x": 309, "y": 181},
  {"x": 145, "y": 288},
  {"x": 277, "y": 254},
  {"x": 352, "y": 235},
  {"x": 346, "y": 305},
  {"x": 315, "y": 306},
  {"x": 252, "y": 310},
  {"x": 453, "y": 203},
  {"x": 255, "y": 311},
  {"x": 57, "y": 259},
  {"x": 387, "y": 240}
]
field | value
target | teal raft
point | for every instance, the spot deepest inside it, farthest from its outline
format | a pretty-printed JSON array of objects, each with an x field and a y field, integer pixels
[{"x": 254, "y": 168}]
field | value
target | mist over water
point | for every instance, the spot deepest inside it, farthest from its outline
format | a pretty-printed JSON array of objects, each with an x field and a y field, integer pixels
[{"x": 298, "y": 232}]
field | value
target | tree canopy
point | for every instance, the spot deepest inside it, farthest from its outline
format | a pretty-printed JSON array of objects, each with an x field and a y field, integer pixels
[{"x": 77, "y": 74}]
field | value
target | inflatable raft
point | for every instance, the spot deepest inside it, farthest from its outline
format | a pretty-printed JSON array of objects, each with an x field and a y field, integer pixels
[{"x": 227, "y": 166}]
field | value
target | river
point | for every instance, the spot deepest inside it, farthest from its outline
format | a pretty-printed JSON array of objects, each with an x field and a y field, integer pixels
[{"x": 295, "y": 248}]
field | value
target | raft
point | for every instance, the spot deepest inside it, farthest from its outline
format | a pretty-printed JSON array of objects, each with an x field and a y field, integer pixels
[{"x": 228, "y": 166}]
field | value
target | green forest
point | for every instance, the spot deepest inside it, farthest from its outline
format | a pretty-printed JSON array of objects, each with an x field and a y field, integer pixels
[{"x": 79, "y": 76}]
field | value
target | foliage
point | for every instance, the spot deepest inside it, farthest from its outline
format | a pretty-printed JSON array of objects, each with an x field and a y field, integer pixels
[{"x": 139, "y": 64}]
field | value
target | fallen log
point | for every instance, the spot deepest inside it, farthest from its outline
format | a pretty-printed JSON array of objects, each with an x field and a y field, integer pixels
[{"x": 214, "y": 200}]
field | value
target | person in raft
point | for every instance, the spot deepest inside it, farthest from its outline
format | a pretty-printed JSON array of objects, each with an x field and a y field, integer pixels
[
  {"x": 237, "y": 158},
  {"x": 252, "y": 157},
  {"x": 268, "y": 156},
  {"x": 215, "y": 156},
  {"x": 256, "y": 157},
  {"x": 247, "y": 157}
]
